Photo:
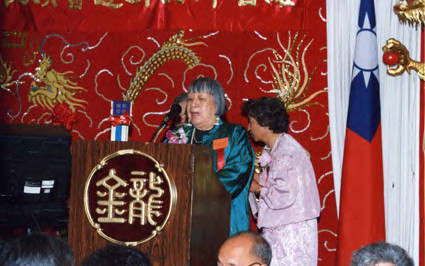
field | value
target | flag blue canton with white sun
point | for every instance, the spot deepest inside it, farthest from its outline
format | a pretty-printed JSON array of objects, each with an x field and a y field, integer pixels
[{"x": 364, "y": 113}]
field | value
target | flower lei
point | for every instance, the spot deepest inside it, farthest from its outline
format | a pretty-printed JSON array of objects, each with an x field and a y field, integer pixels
[
  {"x": 264, "y": 159},
  {"x": 177, "y": 136}
]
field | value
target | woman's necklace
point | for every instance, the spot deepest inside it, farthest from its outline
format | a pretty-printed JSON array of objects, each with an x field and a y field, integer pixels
[
  {"x": 198, "y": 136},
  {"x": 194, "y": 140}
]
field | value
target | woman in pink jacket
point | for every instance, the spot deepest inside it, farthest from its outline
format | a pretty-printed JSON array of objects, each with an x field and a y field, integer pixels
[{"x": 284, "y": 197}]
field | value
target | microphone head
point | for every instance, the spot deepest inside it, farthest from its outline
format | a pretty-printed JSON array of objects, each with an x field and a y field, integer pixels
[{"x": 174, "y": 110}]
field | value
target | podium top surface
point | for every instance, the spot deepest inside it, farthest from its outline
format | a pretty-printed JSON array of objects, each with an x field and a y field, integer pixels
[{"x": 36, "y": 130}]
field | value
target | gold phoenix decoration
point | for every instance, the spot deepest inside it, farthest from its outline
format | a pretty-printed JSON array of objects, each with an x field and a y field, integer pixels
[
  {"x": 413, "y": 13},
  {"x": 291, "y": 80},
  {"x": 175, "y": 48},
  {"x": 58, "y": 87},
  {"x": 404, "y": 62}
]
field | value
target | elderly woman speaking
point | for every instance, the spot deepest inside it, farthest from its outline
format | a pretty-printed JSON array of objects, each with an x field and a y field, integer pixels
[{"x": 233, "y": 156}]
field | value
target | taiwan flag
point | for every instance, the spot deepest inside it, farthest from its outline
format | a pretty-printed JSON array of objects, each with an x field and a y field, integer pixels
[{"x": 362, "y": 214}]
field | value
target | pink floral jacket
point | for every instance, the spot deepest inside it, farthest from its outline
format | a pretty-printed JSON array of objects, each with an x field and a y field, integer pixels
[{"x": 290, "y": 194}]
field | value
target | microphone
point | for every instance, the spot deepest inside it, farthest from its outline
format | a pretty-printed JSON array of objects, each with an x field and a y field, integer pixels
[{"x": 174, "y": 111}]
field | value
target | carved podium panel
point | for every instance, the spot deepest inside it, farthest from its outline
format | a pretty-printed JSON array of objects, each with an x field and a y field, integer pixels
[{"x": 177, "y": 211}]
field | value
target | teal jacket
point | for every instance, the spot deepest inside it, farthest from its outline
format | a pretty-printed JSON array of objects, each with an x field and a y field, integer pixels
[{"x": 238, "y": 169}]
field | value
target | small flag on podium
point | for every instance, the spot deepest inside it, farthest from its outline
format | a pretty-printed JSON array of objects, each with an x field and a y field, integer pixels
[{"x": 120, "y": 119}]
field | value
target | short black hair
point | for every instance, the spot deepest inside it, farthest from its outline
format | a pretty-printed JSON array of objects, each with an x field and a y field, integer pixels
[
  {"x": 268, "y": 112},
  {"x": 181, "y": 98},
  {"x": 117, "y": 255},
  {"x": 261, "y": 248},
  {"x": 36, "y": 249},
  {"x": 381, "y": 252}
]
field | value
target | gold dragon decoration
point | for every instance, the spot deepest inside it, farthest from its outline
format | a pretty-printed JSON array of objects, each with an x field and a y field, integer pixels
[
  {"x": 402, "y": 61},
  {"x": 59, "y": 88},
  {"x": 291, "y": 79},
  {"x": 6, "y": 74},
  {"x": 413, "y": 13},
  {"x": 396, "y": 56},
  {"x": 175, "y": 48}
]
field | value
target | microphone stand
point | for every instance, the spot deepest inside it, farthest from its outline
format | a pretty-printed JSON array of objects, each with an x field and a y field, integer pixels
[{"x": 157, "y": 132}]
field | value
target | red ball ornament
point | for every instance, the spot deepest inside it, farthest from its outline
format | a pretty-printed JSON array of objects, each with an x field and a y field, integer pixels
[{"x": 391, "y": 58}]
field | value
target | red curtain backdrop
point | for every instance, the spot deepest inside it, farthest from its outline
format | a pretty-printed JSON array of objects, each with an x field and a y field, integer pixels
[{"x": 99, "y": 49}]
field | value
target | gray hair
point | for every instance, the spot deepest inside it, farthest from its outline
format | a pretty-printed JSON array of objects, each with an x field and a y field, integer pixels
[
  {"x": 381, "y": 252},
  {"x": 213, "y": 87}
]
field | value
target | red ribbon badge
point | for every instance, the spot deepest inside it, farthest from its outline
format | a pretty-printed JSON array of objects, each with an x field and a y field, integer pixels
[
  {"x": 123, "y": 119},
  {"x": 219, "y": 145}
]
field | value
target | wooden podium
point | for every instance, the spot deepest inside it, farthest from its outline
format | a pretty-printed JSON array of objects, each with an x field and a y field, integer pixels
[{"x": 198, "y": 222}]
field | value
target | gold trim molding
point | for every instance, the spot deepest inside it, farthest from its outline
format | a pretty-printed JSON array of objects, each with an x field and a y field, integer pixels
[{"x": 117, "y": 197}]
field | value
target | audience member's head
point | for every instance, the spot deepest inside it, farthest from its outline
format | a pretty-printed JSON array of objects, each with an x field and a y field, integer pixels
[
  {"x": 245, "y": 249},
  {"x": 36, "y": 249},
  {"x": 381, "y": 254},
  {"x": 117, "y": 255}
]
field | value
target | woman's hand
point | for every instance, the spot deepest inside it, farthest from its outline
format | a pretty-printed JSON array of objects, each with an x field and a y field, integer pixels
[
  {"x": 255, "y": 186},
  {"x": 256, "y": 177}
]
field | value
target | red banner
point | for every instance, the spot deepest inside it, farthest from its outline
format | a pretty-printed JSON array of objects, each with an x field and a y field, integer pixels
[{"x": 120, "y": 15}]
